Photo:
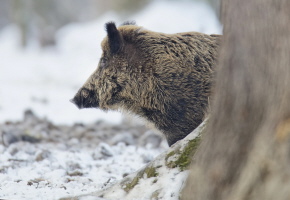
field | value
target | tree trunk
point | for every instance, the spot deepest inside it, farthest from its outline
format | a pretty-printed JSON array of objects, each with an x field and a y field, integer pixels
[{"x": 245, "y": 153}]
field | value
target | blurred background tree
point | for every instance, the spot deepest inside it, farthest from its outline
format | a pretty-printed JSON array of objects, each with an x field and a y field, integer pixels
[
  {"x": 215, "y": 5},
  {"x": 40, "y": 19}
]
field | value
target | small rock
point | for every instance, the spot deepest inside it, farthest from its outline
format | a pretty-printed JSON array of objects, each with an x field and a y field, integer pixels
[
  {"x": 151, "y": 139},
  {"x": 42, "y": 155},
  {"x": 28, "y": 138},
  {"x": 13, "y": 151},
  {"x": 73, "y": 166},
  {"x": 106, "y": 150},
  {"x": 62, "y": 186},
  {"x": 29, "y": 183},
  {"x": 102, "y": 151},
  {"x": 9, "y": 137},
  {"x": 29, "y": 114},
  {"x": 125, "y": 138},
  {"x": 75, "y": 173}
]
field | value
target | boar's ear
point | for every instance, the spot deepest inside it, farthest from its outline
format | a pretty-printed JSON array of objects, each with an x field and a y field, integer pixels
[{"x": 114, "y": 36}]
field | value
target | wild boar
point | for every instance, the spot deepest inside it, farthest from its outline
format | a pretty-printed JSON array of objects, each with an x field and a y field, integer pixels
[{"x": 164, "y": 78}]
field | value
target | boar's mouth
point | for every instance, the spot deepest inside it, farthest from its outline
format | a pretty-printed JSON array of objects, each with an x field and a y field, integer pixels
[{"x": 85, "y": 101}]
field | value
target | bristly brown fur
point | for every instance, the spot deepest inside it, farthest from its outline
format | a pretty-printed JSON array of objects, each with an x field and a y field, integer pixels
[{"x": 164, "y": 78}]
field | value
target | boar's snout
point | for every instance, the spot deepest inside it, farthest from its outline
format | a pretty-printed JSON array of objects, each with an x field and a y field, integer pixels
[
  {"x": 85, "y": 99},
  {"x": 75, "y": 102}
]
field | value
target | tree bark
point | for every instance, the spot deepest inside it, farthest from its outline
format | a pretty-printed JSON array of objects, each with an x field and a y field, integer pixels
[{"x": 245, "y": 153}]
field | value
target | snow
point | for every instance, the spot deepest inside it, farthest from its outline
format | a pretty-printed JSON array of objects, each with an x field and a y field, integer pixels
[
  {"x": 64, "y": 171},
  {"x": 68, "y": 160},
  {"x": 45, "y": 80},
  {"x": 41, "y": 160},
  {"x": 166, "y": 185}
]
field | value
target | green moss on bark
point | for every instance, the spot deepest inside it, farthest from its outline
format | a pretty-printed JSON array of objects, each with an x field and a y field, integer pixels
[
  {"x": 148, "y": 172},
  {"x": 182, "y": 158}
]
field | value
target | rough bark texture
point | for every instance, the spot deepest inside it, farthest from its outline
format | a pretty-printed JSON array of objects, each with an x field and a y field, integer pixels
[{"x": 245, "y": 153}]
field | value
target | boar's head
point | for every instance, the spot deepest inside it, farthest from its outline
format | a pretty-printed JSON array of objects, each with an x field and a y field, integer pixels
[{"x": 121, "y": 78}]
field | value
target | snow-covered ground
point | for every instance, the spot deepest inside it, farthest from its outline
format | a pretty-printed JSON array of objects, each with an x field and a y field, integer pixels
[
  {"x": 39, "y": 160},
  {"x": 45, "y": 80}
]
